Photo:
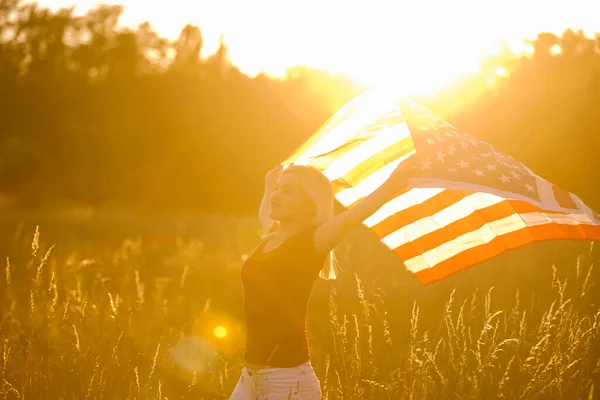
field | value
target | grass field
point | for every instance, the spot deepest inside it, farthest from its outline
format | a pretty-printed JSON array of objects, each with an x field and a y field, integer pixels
[{"x": 152, "y": 309}]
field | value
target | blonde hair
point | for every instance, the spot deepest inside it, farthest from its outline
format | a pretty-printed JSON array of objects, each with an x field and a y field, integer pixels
[{"x": 318, "y": 188}]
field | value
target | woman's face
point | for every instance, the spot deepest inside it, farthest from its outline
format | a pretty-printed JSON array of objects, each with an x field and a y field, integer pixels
[{"x": 289, "y": 201}]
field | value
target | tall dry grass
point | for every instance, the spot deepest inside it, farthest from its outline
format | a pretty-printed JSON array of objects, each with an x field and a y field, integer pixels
[
  {"x": 136, "y": 322},
  {"x": 477, "y": 352}
]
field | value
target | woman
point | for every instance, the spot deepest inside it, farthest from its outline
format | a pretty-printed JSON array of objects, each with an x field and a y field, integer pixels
[{"x": 278, "y": 277}]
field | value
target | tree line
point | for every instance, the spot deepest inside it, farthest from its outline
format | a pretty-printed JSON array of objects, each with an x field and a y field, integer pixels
[{"x": 95, "y": 114}]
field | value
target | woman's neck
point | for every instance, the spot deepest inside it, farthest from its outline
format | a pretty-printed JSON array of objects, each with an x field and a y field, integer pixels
[{"x": 288, "y": 229}]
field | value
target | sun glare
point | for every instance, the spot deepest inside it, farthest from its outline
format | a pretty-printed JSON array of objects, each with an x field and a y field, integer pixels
[
  {"x": 555, "y": 50},
  {"x": 413, "y": 48},
  {"x": 220, "y": 332}
]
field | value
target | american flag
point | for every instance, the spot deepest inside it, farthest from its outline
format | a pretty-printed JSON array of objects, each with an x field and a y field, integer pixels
[{"x": 466, "y": 202}]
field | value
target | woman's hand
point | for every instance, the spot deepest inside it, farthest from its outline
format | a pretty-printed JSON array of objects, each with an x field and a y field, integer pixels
[
  {"x": 270, "y": 181},
  {"x": 272, "y": 177},
  {"x": 331, "y": 232}
]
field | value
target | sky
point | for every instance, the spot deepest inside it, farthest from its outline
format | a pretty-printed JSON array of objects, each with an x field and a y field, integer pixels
[{"x": 414, "y": 45}]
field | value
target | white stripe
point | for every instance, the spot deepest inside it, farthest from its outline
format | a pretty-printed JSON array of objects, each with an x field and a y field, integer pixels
[
  {"x": 569, "y": 219},
  {"x": 346, "y": 162},
  {"x": 369, "y": 184},
  {"x": 546, "y": 194},
  {"x": 488, "y": 232},
  {"x": 370, "y": 106},
  {"x": 416, "y": 264},
  {"x": 478, "y": 237},
  {"x": 457, "y": 185},
  {"x": 400, "y": 203},
  {"x": 459, "y": 210}
]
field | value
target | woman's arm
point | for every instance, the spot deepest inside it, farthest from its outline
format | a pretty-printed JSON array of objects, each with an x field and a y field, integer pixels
[
  {"x": 330, "y": 233},
  {"x": 265, "y": 205},
  {"x": 263, "y": 213}
]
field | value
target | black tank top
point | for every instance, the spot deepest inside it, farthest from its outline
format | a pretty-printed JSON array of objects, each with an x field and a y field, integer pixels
[{"x": 277, "y": 286}]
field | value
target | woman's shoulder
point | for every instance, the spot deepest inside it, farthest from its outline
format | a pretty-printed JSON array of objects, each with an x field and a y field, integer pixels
[
  {"x": 306, "y": 241},
  {"x": 301, "y": 243}
]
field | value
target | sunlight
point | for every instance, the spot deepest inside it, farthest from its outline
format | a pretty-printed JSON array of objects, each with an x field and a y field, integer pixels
[
  {"x": 427, "y": 73},
  {"x": 529, "y": 49},
  {"x": 413, "y": 48},
  {"x": 371, "y": 105},
  {"x": 555, "y": 50},
  {"x": 495, "y": 50},
  {"x": 220, "y": 332},
  {"x": 500, "y": 71},
  {"x": 520, "y": 47}
]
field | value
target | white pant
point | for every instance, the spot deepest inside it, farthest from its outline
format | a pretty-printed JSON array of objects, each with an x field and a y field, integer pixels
[{"x": 296, "y": 383}]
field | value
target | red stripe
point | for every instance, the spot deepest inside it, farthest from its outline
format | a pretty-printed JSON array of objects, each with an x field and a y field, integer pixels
[
  {"x": 340, "y": 184},
  {"x": 418, "y": 211},
  {"x": 563, "y": 198},
  {"x": 379, "y": 160},
  {"x": 465, "y": 225},
  {"x": 502, "y": 243}
]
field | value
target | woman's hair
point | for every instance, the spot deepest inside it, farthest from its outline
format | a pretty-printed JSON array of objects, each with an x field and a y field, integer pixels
[{"x": 318, "y": 188}]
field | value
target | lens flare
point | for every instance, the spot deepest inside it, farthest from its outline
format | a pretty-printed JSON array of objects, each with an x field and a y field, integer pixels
[
  {"x": 194, "y": 353},
  {"x": 220, "y": 332}
]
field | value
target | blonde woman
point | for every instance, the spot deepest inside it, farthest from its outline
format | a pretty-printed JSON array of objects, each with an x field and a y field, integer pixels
[{"x": 297, "y": 211}]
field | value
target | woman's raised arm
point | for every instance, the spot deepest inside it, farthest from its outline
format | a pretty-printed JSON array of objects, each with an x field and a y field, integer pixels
[
  {"x": 330, "y": 233},
  {"x": 265, "y": 205}
]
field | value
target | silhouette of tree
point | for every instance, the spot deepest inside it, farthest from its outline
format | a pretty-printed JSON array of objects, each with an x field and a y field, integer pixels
[
  {"x": 188, "y": 48},
  {"x": 219, "y": 63}
]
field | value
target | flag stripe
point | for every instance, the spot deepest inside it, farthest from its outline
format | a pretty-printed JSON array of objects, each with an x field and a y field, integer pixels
[
  {"x": 558, "y": 224},
  {"x": 340, "y": 185},
  {"x": 563, "y": 198},
  {"x": 324, "y": 160},
  {"x": 370, "y": 174},
  {"x": 396, "y": 137},
  {"x": 473, "y": 188},
  {"x": 369, "y": 108},
  {"x": 427, "y": 234},
  {"x": 499, "y": 244},
  {"x": 406, "y": 209},
  {"x": 400, "y": 150},
  {"x": 585, "y": 209},
  {"x": 546, "y": 194},
  {"x": 368, "y": 185}
]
